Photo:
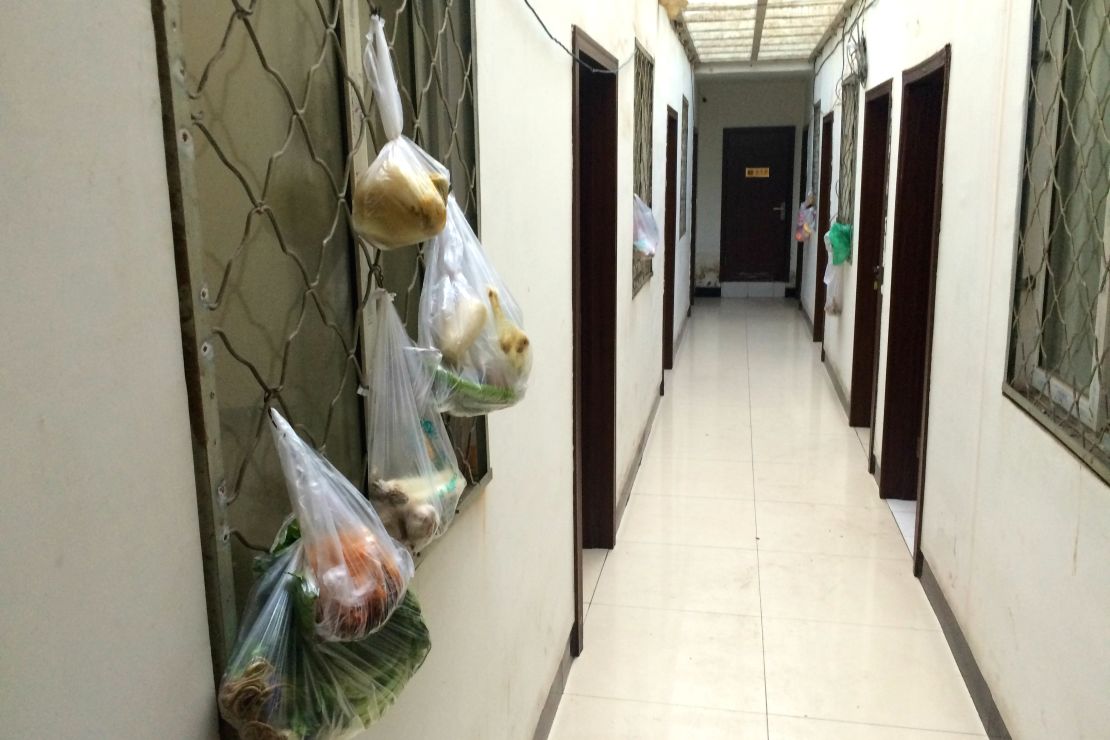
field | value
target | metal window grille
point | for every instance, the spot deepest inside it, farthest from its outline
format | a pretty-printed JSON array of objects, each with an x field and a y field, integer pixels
[
  {"x": 685, "y": 144},
  {"x": 849, "y": 126},
  {"x": 1059, "y": 321},
  {"x": 643, "y": 113},
  {"x": 268, "y": 121}
]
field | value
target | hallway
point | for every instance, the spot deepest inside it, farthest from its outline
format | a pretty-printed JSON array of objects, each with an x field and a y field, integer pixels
[{"x": 754, "y": 592}]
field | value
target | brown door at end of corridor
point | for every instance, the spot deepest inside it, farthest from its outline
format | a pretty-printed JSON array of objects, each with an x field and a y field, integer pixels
[
  {"x": 823, "y": 221},
  {"x": 756, "y": 196},
  {"x": 913, "y": 283}
]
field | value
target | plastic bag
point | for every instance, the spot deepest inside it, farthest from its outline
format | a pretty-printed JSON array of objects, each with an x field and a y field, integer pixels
[
  {"x": 807, "y": 222},
  {"x": 401, "y": 198},
  {"x": 834, "y": 278},
  {"x": 469, "y": 316},
  {"x": 355, "y": 574},
  {"x": 840, "y": 243},
  {"x": 645, "y": 229},
  {"x": 282, "y": 683},
  {"x": 415, "y": 481}
]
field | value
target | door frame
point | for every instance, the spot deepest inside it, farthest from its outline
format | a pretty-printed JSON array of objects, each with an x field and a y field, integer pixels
[
  {"x": 795, "y": 291},
  {"x": 938, "y": 64},
  {"x": 871, "y": 224},
  {"x": 823, "y": 221},
  {"x": 594, "y": 516},
  {"x": 693, "y": 221},
  {"x": 670, "y": 235}
]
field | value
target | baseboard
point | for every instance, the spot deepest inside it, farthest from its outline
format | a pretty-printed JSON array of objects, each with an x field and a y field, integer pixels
[
  {"x": 837, "y": 385},
  {"x": 707, "y": 292},
  {"x": 554, "y": 696},
  {"x": 637, "y": 458},
  {"x": 806, "y": 318},
  {"x": 977, "y": 685},
  {"x": 681, "y": 335}
]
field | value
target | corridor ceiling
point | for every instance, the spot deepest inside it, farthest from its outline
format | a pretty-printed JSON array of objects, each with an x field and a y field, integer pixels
[{"x": 756, "y": 31}]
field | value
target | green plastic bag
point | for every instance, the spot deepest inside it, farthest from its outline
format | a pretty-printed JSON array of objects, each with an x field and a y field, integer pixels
[{"x": 840, "y": 237}]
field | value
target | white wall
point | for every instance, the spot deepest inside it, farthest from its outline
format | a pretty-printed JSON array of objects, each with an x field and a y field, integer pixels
[
  {"x": 102, "y": 625},
  {"x": 1015, "y": 528},
  {"x": 735, "y": 103},
  {"x": 497, "y": 591}
]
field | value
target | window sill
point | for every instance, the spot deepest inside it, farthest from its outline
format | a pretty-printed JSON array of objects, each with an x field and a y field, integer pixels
[{"x": 1061, "y": 431}]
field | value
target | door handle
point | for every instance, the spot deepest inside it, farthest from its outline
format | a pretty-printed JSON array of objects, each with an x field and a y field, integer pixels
[
  {"x": 781, "y": 208},
  {"x": 878, "y": 271}
]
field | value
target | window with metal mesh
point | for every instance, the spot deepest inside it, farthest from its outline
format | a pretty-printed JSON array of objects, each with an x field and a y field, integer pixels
[
  {"x": 815, "y": 150},
  {"x": 643, "y": 114},
  {"x": 268, "y": 122},
  {"x": 849, "y": 128},
  {"x": 685, "y": 144},
  {"x": 1058, "y": 361}
]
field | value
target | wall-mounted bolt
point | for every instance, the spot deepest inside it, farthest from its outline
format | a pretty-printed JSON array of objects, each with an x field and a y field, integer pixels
[{"x": 206, "y": 350}]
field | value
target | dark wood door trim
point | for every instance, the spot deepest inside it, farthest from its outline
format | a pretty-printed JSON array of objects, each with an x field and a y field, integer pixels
[
  {"x": 823, "y": 220},
  {"x": 670, "y": 229},
  {"x": 869, "y": 258},
  {"x": 693, "y": 223},
  {"x": 593, "y": 281},
  {"x": 941, "y": 63}
]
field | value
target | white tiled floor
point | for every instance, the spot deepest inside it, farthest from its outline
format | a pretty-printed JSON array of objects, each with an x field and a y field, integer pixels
[{"x": 759, "y": 589}]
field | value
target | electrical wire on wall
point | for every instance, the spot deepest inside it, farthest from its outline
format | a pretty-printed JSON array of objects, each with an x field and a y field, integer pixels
[{"x": 577, "y": 59}]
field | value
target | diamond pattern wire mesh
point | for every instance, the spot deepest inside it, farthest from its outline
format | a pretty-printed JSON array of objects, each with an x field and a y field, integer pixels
[
  {"x": 849, "y": 127},
  {"x": 273, "y": 122},
  {"x": 643, "y": 112},
  {"x": 1058, "y": 359}
]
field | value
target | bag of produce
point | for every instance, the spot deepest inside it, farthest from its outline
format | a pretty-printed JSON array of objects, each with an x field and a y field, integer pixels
[
  {"x": 401, "y": 199},
  {"x": 415, "y": 481},
  {"x": 469, "y": 316},
  {"x": 645, "y": 229},
  {"x": 355, "y": 575}
]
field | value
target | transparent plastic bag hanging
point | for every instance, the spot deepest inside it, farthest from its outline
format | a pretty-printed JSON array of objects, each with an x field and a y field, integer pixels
[
  {"x": 401, "y": 198},
  {"x": 415, "y": 481},
  {"x": 834, "y": 281},
  {"x": 256, "y": 692},
  {"x": 355, "y": 573},
  {"x": 807, "y": 222},
  {"x": 468, "y": 314},
  {"x": 645, "y": 229}
]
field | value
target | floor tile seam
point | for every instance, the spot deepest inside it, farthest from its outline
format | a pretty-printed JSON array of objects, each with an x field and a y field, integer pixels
[
  {"x": 681, "y": 705},
  {"x": 881, "y": 725},
  {"x": 600, "y": 572},
  {"x": 848, "y": 623},
  {"x": 678, "y": 610},
  {"x": 691, "y": 495},
  {"x": 758, "y": 568},
  {"x": 899, "y": 559},
  {"x": 687, "y": 544}
]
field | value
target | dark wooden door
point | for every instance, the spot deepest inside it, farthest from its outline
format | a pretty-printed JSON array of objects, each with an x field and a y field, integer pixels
[
  {"x": 913, "y": 282},
  {"x": 693, "y": 223},
  {"x": 594, "y": 299},
  {"x": 823, "y": 220},
  {"x": 670, "y": 229},
  {"x": 869, "y": 258},
  {"x": 756, "y": 193}
]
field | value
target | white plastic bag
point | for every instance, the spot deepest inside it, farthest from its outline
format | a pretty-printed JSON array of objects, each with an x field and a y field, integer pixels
[
  {"x": 355, "y": 572},
  {"x": 401, "y": 199},
  {"x": 415, "y": 481},
  {"x": 469, "y": 316},
  {"x": 645, "y": 229},
  {"x": 834, "y": 278}
]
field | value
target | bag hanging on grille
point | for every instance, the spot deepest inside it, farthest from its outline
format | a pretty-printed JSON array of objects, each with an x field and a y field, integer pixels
[
  {"x": 401, "y": 198},
  {"x": 414, "y": 477},
  {"x": 469, "y": 316},
  {"x": 354, "y": 573},
  {"x": 274, "y": 684},
  {"x": 645, "y": 229},
  {"x": 834, "y": 279}
]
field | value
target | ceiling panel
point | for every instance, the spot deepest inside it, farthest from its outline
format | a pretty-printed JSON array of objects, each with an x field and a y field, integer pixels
[{"x": 728, "y": 30}]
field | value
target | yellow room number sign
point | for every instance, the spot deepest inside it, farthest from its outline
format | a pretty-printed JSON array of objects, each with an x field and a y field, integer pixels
[{"x": 757, "y": 172}]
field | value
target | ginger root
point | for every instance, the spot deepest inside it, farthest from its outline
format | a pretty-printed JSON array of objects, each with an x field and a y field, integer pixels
[
  {"x": 514, "y": 342},
  {"x": 398, "y": 203}
]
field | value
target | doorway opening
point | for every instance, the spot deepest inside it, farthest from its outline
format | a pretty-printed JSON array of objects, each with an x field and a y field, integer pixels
[
  {"x": 871, "y": 223},
  {"x": 913, "y": 284},
  {"x": 757, "y": 184},
  {"x": 670, "y": 228},
  {"x": 823, "y": 221}
]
